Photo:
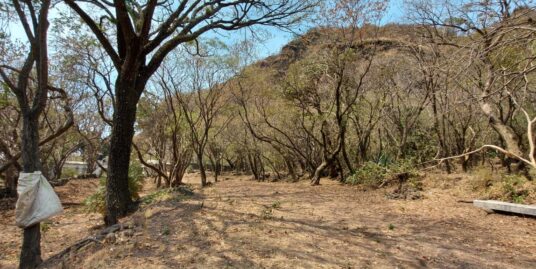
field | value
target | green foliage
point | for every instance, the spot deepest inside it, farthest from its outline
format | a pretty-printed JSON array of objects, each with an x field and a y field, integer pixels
[
  {"x": 276, "y": 204},
  {"x": 135, "y": 180},
  {"x": 513, "y": 188},
  {"x": 5, "y": 98},
  {"x": 391, "y": 226},
  {"x": 420, "y": 147},
  {"x": 96, "y": 202},
  {"x": 371, "y": 174},
  {"x": 267, "y": 213},
  {"x": 375, "y": 174},
  {"x": 68, "y": 172},
  {"x": 166, "y": 231},
  {"x": 45, "y": 227}
]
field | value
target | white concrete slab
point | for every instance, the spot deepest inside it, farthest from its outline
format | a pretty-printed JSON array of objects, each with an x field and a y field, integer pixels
[{"x": 506, "y": 207}]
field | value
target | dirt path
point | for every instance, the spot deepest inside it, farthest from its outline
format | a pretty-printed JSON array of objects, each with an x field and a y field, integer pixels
[{"x": 239, "y": 224}]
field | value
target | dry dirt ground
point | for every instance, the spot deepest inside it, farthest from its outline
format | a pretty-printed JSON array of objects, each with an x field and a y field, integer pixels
[{"x": 239, "y": 223}]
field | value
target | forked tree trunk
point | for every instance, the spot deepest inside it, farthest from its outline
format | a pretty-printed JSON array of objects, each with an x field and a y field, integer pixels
[
  {"x": 507, "y": 134},
  {"x": 511, "y": 140}
]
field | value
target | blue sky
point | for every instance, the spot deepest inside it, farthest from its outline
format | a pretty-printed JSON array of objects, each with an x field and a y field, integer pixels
[
  {"x": 394, "y": 13},
  {"x": 276, "y": 38}
]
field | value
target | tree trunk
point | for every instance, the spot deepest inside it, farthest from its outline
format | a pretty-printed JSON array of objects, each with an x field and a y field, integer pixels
[
  {"x": 346, "y": 158},
  {"x": 217, "y": 170},
  {"x": 508, "y": 136},
  {"x": 253, "y": 166},
  {"x": 57, "y": 170},
  {"x": 318, "y": 173},
  {"x": 30, "y": 255},
  {"x": 290, "y": 169},
  {"x": 260, "y": 167},
  {"x": 118, "y": 197},
  {"x": 232, "y": 166},
  {"x": 333, "y": 171},
  {"x": 341, "y": 171},
  {"x": 214, "y": 167},
  {"x": 202, "y": 169}
]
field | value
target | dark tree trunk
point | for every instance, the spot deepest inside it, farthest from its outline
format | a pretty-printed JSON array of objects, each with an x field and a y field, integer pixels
[
  {"x": 57, "y": 170},
  {"x": 345, "y": 156},
  {"x": 291, "y": 170},
  {"x": 118, "y": 197},
  {"x": 202, "y": 169},
  {"x": 333, "y": 170},
  {"x": 215, "y": 167},
  {"x": 253, "y": 166},
  {"x": 342, "y": 176},
  {"x": 217, "y": 170},
  {"x": 232, "y": 166},
  {"x": 30, "y": 255},
  {"x": 260, "y": 166}
]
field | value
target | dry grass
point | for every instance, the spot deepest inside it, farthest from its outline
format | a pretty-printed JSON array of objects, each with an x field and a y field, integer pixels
[{"x": 238, "y": 223}]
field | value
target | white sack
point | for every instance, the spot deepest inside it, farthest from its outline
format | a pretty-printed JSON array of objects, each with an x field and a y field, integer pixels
[{"x": 37, "y": 200}]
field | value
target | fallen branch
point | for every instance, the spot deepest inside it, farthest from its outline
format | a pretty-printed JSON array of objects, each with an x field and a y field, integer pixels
[
  {"x": 84, "y": 242},
  {"x": 507, "y": 153}
]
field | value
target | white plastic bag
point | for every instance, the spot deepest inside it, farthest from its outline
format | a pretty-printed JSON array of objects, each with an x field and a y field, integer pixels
[{"x": 37, "y": 200}]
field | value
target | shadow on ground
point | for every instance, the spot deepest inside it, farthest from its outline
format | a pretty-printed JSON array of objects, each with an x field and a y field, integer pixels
[{"x": 280, "y": 225}]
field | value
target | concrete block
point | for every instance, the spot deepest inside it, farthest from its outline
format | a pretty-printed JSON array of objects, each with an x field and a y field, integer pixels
[{"x": 506, "y": 207}]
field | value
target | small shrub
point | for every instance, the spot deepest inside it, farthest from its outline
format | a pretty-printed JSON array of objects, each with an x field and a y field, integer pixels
[
  {"x": 68, "y": 172},
  {"x": 135, "y": 180},
  {"x": 375, "y": 174},
  {"x": 267, "y": 213},
  {"x": 391, "y": 226},
  {"x": 45, "y": 227},
  {"x": 166, "y": 231},
  {"x": 370, "y": 173},
  {"x": 513, "y": 188},
  {"x": 276, "y": 205},
  {"x": 96, "y": 203}
]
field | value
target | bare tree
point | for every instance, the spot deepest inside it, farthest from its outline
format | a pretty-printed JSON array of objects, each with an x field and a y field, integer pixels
[
  {"x": 488, "y": 27},
  {"x": 202, "y": 101}
]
